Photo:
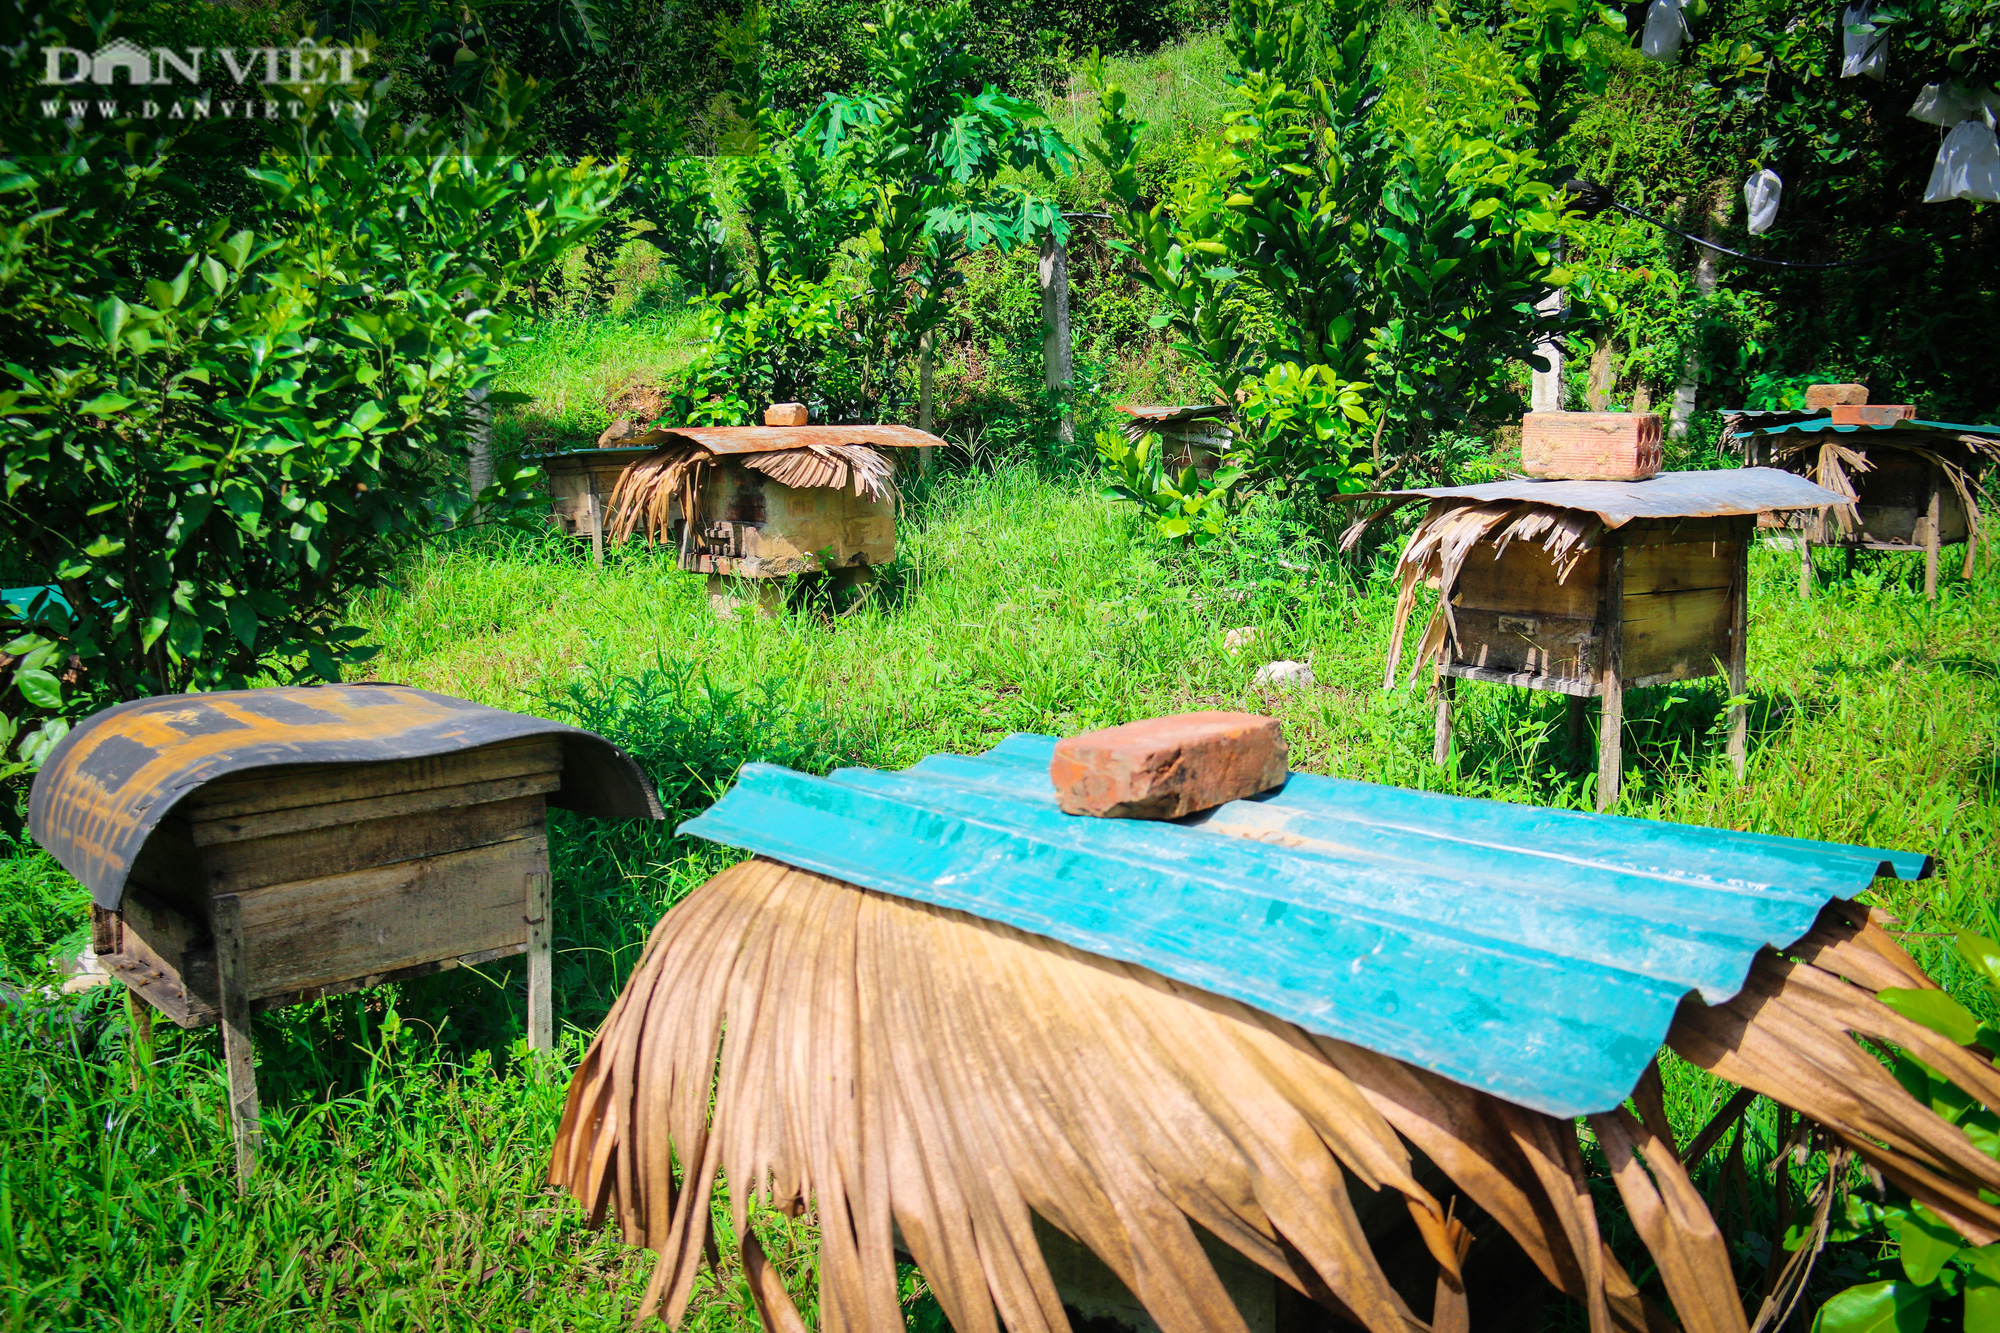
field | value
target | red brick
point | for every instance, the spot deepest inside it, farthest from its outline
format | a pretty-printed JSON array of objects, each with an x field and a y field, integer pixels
[
  {"x": 1591, "y": 446},
  {"x": 1166, "y": 767},
  {"x": 1871, "y": 414},
  {"x": 1820, "y": 397},
  {"x": 785, "y": 414}
]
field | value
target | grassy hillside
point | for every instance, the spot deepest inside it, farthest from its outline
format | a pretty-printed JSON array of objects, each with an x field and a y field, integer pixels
[{"x": 408, "y": 1133}]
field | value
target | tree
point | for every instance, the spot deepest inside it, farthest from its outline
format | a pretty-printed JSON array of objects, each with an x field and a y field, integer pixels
[
  {"x": 1356, "y": 268},
  {"x": 211, "y": 437}
]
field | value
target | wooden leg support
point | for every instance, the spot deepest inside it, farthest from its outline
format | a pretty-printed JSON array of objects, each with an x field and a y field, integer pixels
[
  {"x": 541, "y": 995},
  {"x": 596, "y": 528},
  {"x": 1805, "y": 564},
  {"x": 1576, "y": 724},
  {"x": 233, "y": 980},
  {"x": 1739, "y": 659},
  {"x": 1933, "y": 520},
  {"x": 1611, "y": 639},
  {"x": 1447, "y": 690}
]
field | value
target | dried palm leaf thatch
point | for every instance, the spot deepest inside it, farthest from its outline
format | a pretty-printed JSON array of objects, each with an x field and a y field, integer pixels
[
  {"x": 1448, "y": 534},
  {"x": 908, "y": 1070},
  {"x": 669, "y": 479},
  {"x": 1829, "y": 461}
]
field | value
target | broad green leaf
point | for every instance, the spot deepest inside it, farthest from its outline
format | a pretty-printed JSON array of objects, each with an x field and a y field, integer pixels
[
  {"x": 1935, "y": 1010},
  {"x": 39, "y": 688},
  {"x": 1982, "y": 1303},
  {"x": 1927, "y": 1244},
  {"x": 1875, "y": 1307},
  {"x": 243, "y": 621},
  {"x": 112, "y": 315},
  {"x": 1982, "y": 954},
  {"x": 105, "y": 404}
]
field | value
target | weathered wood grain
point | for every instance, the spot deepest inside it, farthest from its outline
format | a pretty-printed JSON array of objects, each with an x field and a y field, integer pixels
[
  {"x": 292, "y": 786},
  {"x": 232, "y": 959},
  {"x": 316, "y": 932},
  {"x": 314, "y": 853}
]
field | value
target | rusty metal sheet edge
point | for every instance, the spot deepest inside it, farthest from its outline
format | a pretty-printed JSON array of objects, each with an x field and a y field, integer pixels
[
  {"x": 107, "y": 785},
  {"x": 1725, "y": 493}
]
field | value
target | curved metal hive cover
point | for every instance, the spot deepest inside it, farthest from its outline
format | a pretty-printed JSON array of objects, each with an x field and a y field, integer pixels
[
  {"x": 1722, "y": 493},
  {"x": 109, "y": 783},
  {"x": 1535, "y": 954}
]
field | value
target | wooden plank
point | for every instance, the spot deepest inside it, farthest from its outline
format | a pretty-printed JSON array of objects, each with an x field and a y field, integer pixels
[
  {"x": 318, "y": 932},
  {"x": 292, "y": 785},
  {"x": 1447, "y": 686},
  {"x": 1739, "y": 660},
  {"x": 1523, "y": 579},
  {"x": 234, "y": 867},
  {"x": 1611, "y": 630},
  {"x": 541, "y": 998},
  {"x": 1676, "y": 634},
  {"x": 1681, "y": 531},
  {"x": 1527, "y": 680},
  {"x": 1515, "y": 643},
  {"x": 374, "y": 979},
  {"x": 298, "y": 819},
  {"x": 232, "y": 969},
  {"x": 1680, "y": 566},
  {"x": 1933, "y": 525}
]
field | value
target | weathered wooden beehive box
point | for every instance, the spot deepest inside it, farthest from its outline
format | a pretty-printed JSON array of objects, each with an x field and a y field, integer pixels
[
  {"x": 1589, "y": 588},
  {"x": 1190, "y": 436},
  {"x": 252, "y": 849},
  {"x": 1905, "y": 485}
]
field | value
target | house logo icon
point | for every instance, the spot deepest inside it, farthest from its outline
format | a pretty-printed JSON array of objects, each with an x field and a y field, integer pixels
[{"x": 66, "y": 64}]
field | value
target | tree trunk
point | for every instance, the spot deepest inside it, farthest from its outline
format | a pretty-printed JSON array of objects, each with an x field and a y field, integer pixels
[
  {"x": 1706, "y": 265},
  {"x": 925, "y": 402},
  {"x": 1597, "y": 396},
  {"x": 1545, "y": 390},
  {"x": 479, "y": 414},
  {"x": 1054, "y": 275}
]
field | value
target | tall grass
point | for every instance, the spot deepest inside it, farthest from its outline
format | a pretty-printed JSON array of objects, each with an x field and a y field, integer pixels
[{"x": 408, "y": 1129}]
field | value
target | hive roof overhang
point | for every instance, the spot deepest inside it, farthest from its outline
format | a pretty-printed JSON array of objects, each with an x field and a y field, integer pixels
[
  {"x": 1719, "y": 494},
  {"x": 1536, "y": 954},
  {"x": 109, "y": 783}
]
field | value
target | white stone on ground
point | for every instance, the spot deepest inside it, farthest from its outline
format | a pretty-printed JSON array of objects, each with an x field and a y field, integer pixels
[{"x": 1283, "y": 675}]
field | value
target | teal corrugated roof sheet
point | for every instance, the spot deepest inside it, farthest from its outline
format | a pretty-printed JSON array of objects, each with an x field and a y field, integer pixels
[
  {"x": 1535, "y": 954},
  {"x": 1826, "y": 423}
]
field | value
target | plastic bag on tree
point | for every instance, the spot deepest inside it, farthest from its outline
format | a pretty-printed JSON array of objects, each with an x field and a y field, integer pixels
[
  {"x": 1941, "y": 105},
  {"x": 1760, "y": 198},
  {"x": 1968, "y": 164},
  {"x": 1864, "y": 52},
  {"x": 1666, "y": 29}
]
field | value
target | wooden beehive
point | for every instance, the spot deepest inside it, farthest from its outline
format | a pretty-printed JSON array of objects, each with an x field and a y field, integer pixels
[
  {"x": 749, "y": 526},
  {"x": 1190, "y": 436},
  {"x": 248, "y": 850},
  {"x": 1588, "y": 588},
  {"x": 346, "y": 876}
]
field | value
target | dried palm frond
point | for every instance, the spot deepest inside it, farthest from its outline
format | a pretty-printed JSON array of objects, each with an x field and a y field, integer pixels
[
  {"x": 1438, "y": 548},
  {"x": 908, "y": 1070},
  {"x": 872, "y": 471},
  {"x": 668, "y": 480},
  {"x": 649, "y": 491},
  {"x": 1829, "y": 462}
]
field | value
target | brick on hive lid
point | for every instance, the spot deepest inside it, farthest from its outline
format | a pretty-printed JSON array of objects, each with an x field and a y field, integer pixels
[
  {"x": 1820, "y": 397},
  {"x": 1166, "y": 767},
  {"x": 1871, "y": 414},
  {"x": 1591, "y": 446},
  {"x": 785, "y": 414}
]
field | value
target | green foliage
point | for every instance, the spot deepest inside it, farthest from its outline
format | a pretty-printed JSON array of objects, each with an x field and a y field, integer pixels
[
  {"x": 1388, "y": 248},
  {"x": 1936, "y": 1264},
  {"x": 1184, "y": 507},
  {"x": 213, "y": 436}
]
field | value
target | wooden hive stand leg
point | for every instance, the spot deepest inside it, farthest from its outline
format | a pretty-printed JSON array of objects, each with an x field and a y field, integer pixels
[
  {"x": 1739, "y": 656},
  {"x": 1447, "y": 690},
  {"x": 1611, "y": 642},
  {"x": 596, "y": 525},
  {"x": 541, "y": 995},
  {"x": 232, "y": 972},
  {"x": 1933, "y": 523},
  {"x": 1805, "y": 562},
  {"x": 1576, "y": 724}
]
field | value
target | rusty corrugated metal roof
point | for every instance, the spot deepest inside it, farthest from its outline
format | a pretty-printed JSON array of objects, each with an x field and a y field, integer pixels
[
  {"x": 1169, "y": 415},
  {"x": 109, "y": 783},
  {"x": 1718, "y": 494},
  {"x": 1535, "y": 954},
  {"x": 763, "y": 439}
]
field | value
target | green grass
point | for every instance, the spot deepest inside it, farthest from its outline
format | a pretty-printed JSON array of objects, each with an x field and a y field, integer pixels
[{"x": 407, "y": 1131}]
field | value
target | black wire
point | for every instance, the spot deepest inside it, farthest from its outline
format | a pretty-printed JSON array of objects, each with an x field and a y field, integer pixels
[{"x": 1596, "y": 197}]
